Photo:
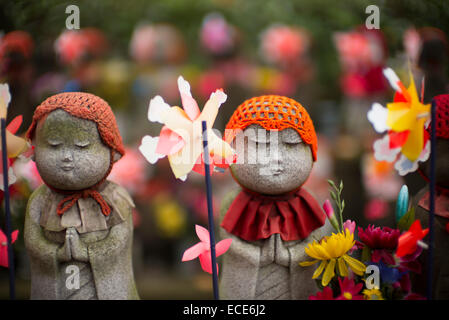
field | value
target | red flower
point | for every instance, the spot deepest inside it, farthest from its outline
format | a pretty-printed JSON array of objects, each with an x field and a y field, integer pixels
[
  {"x": 379, "y": 238},
  {"x": 414, "y": 296},
  {"x": 349, "y": 290},
  {"x": 326, "y": 294},
  {"x": 409, "y": 240}
]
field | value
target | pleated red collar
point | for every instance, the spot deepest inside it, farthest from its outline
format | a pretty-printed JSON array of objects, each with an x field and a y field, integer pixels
[{"x": 253, "y": 216}]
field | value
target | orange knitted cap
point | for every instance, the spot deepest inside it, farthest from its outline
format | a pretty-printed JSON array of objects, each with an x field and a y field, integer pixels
[
  {"x": 273, "y": 112},
  {"x": 85, "y": 106}
]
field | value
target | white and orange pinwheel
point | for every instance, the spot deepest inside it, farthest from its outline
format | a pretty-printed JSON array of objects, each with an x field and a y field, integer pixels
[
  {"x": 405, "y": 121},
  {"x": 181, "y": 137},
  {"x": 15, "y": 145}
]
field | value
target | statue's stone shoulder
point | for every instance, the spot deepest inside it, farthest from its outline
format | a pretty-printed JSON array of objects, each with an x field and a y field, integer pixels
[
  {"x": 119, "y": 198},
  {"x": 36, "y": 202}
]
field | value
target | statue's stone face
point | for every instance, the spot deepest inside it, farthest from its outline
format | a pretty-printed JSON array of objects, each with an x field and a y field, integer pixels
[
  {"x": 271, "y": 162},
  {"x": 69, "y": 153}
]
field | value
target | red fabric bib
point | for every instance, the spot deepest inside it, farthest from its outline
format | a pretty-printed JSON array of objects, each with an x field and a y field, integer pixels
[{"x": 253, "y": 216}]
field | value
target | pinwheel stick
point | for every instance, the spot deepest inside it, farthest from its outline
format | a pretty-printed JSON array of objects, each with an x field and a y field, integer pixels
[
  {"x": 432, "y": 200},
  {"x": 210, "y": 211},
  {"x": 12, "y": 288}
]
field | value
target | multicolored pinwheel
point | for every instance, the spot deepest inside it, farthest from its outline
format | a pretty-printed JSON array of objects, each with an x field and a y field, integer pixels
[
  {"x": 201, "y": 250},
  {"x": 408, "y": 241},
  {"x": 15, "y": 145},
  {"x": 4, "y": 261},
  {"x": 181, "y": 136},
  {"x": 405, "y": 120}
]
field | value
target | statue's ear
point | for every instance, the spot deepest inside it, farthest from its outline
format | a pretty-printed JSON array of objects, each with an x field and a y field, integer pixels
[{"x": 117, "y": 156}]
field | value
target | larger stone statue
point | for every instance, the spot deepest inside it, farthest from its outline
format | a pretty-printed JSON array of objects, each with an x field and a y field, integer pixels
[
  {"x": 78, "y": 226},
  {"x": 270, "y": 218}
]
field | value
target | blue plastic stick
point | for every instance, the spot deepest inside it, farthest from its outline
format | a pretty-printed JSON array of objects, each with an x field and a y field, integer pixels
[
  {"x": 432, "y": 201},
  {"x": 210, "y": 211},
  {"x": 12, "y": 287}
]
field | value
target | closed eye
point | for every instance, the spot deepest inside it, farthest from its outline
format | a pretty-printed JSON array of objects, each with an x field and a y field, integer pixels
[
  {"x": 82, "y": 144},
  {"x": 54, "y": 143},
  {"x": 292, "y": 143}
]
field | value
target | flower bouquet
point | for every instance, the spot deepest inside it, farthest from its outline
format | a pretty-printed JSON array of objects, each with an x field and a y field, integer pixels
[{"x": 375, "y": 264}]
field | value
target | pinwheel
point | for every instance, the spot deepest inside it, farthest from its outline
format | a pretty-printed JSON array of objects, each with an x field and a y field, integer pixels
[
  {"x": 11, "y": 147},
  {"x": 408, "y": 241},
  {"x": 189, "y": 143},
  {"x": 4, "y": 261},
  {"x": 15, "y": 145},
  {"x": 181, "y": 136},
  {"x": 405, "y": 121},
  {"x": 201, "y": 250}
]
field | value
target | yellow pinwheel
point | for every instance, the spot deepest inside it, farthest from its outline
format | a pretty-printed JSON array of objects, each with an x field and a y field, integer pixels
[
  {"x": 408, "y": 114},
  {"x": 404, "y": 119}
]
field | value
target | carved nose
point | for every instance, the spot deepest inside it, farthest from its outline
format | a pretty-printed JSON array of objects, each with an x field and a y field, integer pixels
[
  {"x": 67, "y": 157},
  {"x": 276, "y": 155}
]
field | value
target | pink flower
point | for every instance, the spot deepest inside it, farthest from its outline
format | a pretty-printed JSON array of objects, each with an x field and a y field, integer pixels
[
  {"x": 202, "y": 249},
  {"x": 328, "y": 209},
  {"x": 217, "y": 36},
  {"x": 350, "y": 225},
  {"x": 74, "y": 45},
  {"x": 349, "y": 290},
  {"x": 284, "y": 45},
  {"x": 4, "y": 247},
  {"x": 326, "y": 294}
]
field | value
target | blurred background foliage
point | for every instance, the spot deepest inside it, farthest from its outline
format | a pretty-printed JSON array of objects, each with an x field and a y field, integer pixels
[{"x": 45, "y": 19}]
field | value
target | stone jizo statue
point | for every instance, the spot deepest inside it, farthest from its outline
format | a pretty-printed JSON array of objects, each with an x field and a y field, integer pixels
[
  {"x": 78, "y": 226},
  {"x": 270, "y": 217}
]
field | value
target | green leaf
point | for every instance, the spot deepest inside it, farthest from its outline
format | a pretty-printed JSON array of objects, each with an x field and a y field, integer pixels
[
  {"x": 341, "y": 185},
  {"x": 407, "y": 219},
  {"x": 333, "y": 196},
  {"x": 332, "y": 184}
]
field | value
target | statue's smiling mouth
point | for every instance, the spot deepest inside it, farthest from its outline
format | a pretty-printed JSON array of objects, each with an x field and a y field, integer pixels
[
  {"x": 277, "y": 170},
  {"x": 67, "y": 167}
]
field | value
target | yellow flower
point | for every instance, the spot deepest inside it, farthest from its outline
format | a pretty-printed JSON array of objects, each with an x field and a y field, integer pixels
[
  {"x": 332, "y": 252},
  {"x": 373, "y": 294},
  {"x": 170, "y": 216}
]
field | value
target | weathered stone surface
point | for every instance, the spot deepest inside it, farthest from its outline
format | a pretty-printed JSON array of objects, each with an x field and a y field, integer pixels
[
  {"x": 272, "y": 172},
  {"x": 269, "y": 269},
  {"x": 70, "y": 155}
]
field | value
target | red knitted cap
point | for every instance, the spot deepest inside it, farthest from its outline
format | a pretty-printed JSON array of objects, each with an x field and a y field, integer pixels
[
  {"x": 85, "y": 106},
  {"x": 273, "y": 112},
  {"x": 442, "y": 115}
]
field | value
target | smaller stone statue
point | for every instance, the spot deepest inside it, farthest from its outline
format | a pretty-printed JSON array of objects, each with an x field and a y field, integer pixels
[
  {"x": 441, "y": 223},
  {"x": 270, "y": 218},
  {"x": 78, "y": 226}
]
